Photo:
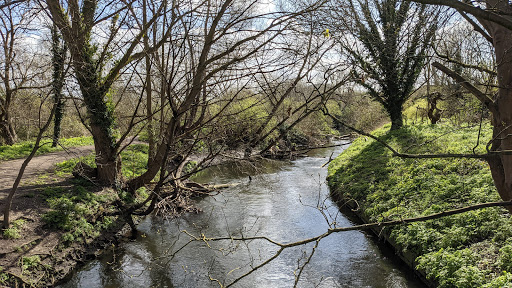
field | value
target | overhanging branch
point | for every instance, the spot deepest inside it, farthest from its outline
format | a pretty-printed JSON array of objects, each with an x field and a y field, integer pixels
[
  {"x": 330, "y": 231},
  {"x": 465, "y": 65},
  {"x": 470, "y": 9},
  {"x": 406, "y": 155},
  {"x": 476, "y": 26},
  {"x": 475, "y": 91}
]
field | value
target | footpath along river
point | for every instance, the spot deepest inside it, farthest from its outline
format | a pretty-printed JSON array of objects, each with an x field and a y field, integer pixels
[{"x": 280, "y": 202}]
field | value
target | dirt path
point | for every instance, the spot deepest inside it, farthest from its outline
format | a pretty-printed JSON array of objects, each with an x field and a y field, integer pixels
[
  {"x": 30, "y": 208},
  {"x": 39, "y": 165}
]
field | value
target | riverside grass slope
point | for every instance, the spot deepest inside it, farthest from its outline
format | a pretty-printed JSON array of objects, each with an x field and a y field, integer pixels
[{"x": 473, "y": 249}]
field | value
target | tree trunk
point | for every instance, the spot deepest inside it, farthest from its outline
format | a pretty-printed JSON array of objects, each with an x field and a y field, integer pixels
[
  {"x": 149, "y": 100},
  {"x": 59, "y": 113},
  {"x": 107, "y": 160},
  {"x": 58, "y": 58},
  {"x": 7, "y": 133},
  {"x": 395, "y": 113},
  {"x": 501, "y": 165},
  {"x": 102, "y": 125}
]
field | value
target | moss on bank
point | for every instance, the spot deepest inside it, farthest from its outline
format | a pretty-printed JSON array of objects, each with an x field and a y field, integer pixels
[{"x": 467, "y": 250}]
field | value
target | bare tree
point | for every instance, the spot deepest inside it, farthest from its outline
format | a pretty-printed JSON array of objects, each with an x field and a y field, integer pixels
[
  {"x": 223, "y": 35},
  {"x": 294, "y": 83},
  {"x": 43, "y": 126},
  {"x": 15, "y": 72}
]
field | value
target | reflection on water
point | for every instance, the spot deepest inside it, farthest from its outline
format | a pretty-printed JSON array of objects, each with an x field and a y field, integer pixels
[{"x": 283, "y": 201}]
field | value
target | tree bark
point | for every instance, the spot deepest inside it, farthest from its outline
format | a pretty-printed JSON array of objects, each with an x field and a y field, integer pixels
[
  {"x": 7, "y": 133},
  {"x": 395, "y": 114},
  {"x": 102, "y": 121},
  {"x": 58, "y": 57},
  {"x": 501, "y": 165}
]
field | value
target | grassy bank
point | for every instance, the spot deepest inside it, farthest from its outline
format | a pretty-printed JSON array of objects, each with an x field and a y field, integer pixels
[
  {"x": 68, "y": 224},
  {"x": 23, "y": 149},
  {"x": 473, "y": 249}
]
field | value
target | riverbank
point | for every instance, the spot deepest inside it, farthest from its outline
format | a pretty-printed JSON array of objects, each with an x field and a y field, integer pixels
[
  {"x": 54, "y": 230},
  {"x": 55, "y": 226},
  {"x": 55, "y": 222},
  {"x": 465, "y": 250}
]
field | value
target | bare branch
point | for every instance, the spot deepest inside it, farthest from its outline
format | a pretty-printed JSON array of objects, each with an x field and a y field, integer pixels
[
  {"x": 465, "y": 65},
  {"x": 330, "y": 231},
  {"x": 475, "y": 91},
  {"x": 475, "y": 11},
  {"x": 406, "y": 155},
  {"x": 476, "y": 27},
  {"x": 12, "y": 2}
]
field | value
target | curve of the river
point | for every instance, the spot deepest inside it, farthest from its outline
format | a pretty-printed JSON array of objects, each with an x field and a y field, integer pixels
[{"x": 283, "y": 201}]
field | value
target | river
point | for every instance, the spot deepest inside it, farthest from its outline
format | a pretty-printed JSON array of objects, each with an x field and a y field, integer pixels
[{"x": 284, "y": 201}]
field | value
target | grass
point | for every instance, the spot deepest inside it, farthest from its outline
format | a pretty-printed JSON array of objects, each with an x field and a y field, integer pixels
[
  {"x": 23, "y": 149},
  {"x": 134, "y": 159},
  {"x": 72, "y": 210},
  {"x": 13, "y": 232},
  {"x": 466, "y": 250}
]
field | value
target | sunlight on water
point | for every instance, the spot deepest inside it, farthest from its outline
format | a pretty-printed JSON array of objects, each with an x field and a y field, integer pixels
[{"x": 283, "y": 201}]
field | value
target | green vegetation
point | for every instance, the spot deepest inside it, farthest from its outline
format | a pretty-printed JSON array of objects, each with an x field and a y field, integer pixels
[
  {"x": 23, "y": 149},
  {"x": 65, "y": 168},
  {"x": 134, "y": 159},
  {"x": 74, "y": 211},
  {"x": 4, "y": 277},
  {"x": 31, "y": 262},
  {"x": 466, "y": 250},
  {"x": 13, "y": 232}
]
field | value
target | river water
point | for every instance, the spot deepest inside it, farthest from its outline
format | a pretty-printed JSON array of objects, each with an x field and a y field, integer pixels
[{"x": 285, "y": 202}]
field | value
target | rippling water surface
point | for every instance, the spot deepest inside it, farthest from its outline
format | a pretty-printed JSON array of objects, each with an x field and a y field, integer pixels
[{"x": 285, "y": 202}]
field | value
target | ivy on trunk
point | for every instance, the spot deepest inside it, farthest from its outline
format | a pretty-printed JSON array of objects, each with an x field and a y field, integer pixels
[
  {"x": 58, "y": 58},
  {"x": 393, "y": 38}
]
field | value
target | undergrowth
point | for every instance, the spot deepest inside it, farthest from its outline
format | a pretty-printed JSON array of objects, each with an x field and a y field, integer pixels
[
  {"x": 467, "y": 250},
  {"x": 134, "y": 159},
  {"x": 13, "y": 232},
  {"x": 73, "y": 211}
]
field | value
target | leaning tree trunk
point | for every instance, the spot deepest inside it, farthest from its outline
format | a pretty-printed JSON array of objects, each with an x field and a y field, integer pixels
[{"x": 501, "y": 165}]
